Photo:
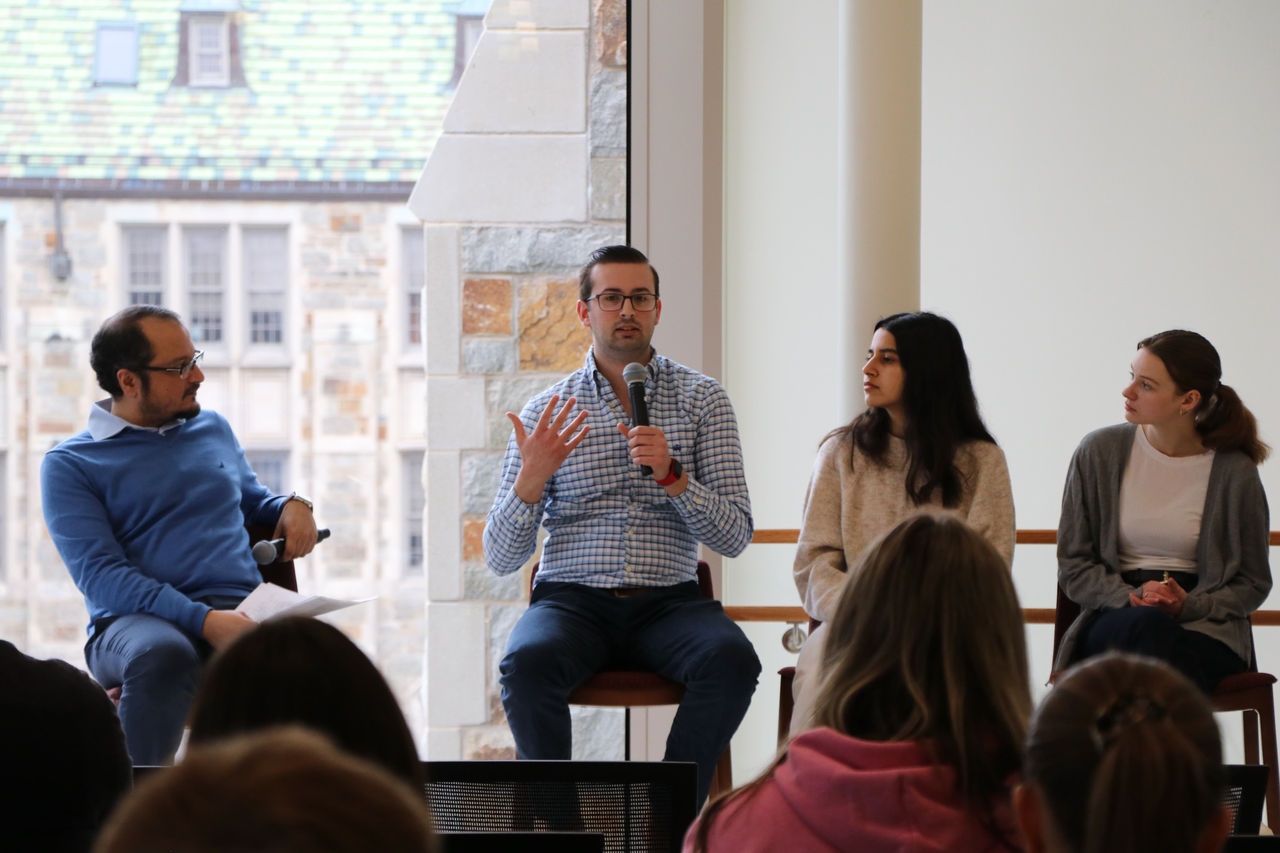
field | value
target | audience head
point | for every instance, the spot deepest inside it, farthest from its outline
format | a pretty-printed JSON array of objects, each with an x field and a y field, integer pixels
[
  {"x": 938, "y": 403},
  {"x": 304, "y": 671},
  {"x": 1221, "y": 418},
  {"x": 612, "y": 255},
  {"x": 926, "y": 645},
  {"x": 62, "y": 743},
  {"x": 1123, "y": 755},
  {"x": 284, "y": 790},
  {"x": 121, "y": 342}
]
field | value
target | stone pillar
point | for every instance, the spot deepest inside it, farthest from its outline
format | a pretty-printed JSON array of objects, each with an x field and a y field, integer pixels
[{"x": 526, "y": 179}]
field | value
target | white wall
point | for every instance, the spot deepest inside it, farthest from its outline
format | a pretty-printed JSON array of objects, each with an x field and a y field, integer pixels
[{"x": 1092, "y": 172}]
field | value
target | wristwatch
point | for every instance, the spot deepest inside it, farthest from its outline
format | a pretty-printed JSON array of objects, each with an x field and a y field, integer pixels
[
  {"x": 673, "y": 474},
  {"x": 305, "y": 501}
]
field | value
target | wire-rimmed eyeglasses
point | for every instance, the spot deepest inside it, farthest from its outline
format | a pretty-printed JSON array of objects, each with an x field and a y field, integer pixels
[{"x": 182, "y": 371}]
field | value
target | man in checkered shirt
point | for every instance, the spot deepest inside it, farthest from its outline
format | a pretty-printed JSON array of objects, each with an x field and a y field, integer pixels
[{"x": 617, "y": 584}]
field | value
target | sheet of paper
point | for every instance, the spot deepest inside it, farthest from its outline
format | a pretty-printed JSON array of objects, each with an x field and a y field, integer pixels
[{"x": 269, "y": 601}]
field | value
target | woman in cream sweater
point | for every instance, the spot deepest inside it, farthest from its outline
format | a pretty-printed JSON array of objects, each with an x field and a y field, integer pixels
[{"x": 921, "y": 443}]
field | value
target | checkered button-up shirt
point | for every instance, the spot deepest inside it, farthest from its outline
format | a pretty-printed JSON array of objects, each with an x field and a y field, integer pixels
[{"x": 610, "y": 525}]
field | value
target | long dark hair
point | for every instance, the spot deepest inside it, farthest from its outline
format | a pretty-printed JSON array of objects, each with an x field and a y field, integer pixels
[
  {"x": 304, "y": 671},
  {"x": 1125, "y": 755},
  {"x": 1222, "y": 421},
  {"x": 942, "y": 411},
  {"x": 927, "y": 646}
]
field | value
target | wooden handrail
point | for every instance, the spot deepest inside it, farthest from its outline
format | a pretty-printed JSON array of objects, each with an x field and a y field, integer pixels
[{"x": 1030, "y": 615}]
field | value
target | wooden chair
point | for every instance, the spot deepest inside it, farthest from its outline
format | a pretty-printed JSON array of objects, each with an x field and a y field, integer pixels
[
  {"x": 1249, "y": 692},
  {"x": 787, "y": 701},
  {"x": 627, "y": 689}
]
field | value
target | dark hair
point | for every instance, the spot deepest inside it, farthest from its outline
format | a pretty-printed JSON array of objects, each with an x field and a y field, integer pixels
[
  {"x": 301, "y": 670},
  {"x": 942, "y": 411},
  {"x": 1125, "y": 755},
  {"x": 1222, "y": 421},
  {"x": 283, "y": 790},
  {"x": 927, "y": 646},
  {"x": 121, "y": 343},
  {"x": 612, "y": 255},
  {"x": 62, "y": 744}
]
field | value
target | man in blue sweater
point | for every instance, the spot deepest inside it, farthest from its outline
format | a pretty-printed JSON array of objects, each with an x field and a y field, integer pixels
[{"x": 147, "y": 508}]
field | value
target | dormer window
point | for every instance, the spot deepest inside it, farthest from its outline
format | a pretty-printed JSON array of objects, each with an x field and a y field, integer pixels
[
  {"x": 209, "y": 44},
  {"x": 208, "y": 50}
]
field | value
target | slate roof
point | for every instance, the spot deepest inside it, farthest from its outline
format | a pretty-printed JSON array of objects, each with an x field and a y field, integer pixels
[{"x": 339, "y": 98}]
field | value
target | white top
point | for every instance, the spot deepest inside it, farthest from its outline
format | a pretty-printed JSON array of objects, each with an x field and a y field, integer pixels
[{"x": 1161, "y": 501}]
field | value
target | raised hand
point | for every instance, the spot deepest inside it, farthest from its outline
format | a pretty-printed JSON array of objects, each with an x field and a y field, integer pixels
[{"x": 544, "y": 449}]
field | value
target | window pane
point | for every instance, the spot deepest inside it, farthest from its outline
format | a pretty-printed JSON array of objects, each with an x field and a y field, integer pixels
[
  {"x": 266, "y": 275},
  {"x": 144, "y": 260},
  {"x": 205, "y": 261},
  {"x": 208, "y": 45},
  {"x": 414, "y": 281},
  {"x": 415, "y": 500},
  {"x": 272, "y": 468}
]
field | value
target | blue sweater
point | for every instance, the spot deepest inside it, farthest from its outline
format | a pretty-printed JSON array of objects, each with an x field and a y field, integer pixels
[{"x": 147, "y": 521}]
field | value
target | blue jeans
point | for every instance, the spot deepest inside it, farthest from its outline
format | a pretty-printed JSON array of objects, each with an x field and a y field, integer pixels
[
  {"x": 1152, "y": 632},
  {"x": 571, "y": 632},
  {"x": 157, "y": 666}
]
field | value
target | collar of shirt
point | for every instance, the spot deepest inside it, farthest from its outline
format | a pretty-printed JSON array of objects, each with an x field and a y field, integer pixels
[
  {"x": 104, "y": 424},
  {"x": 593, "y": 369}
]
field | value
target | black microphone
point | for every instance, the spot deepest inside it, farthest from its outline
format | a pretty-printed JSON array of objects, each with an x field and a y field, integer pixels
[
  {"x": 268, "y": 551},
  {"x": 634, "y": 375}
]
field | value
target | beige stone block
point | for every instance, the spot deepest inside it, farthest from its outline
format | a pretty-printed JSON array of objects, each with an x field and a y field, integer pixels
[
  {"x": 442, "y": 516},
  {"x": 456, "y": 683},
  {"x": 610, "y": 34},
  {"x": 523, "y": 82},
  {"x": 473, "y": 539},
  {"x": 537, "y": 14},
  {"x": 486, "y": 306},
  {"x": 551, "y": 335}
]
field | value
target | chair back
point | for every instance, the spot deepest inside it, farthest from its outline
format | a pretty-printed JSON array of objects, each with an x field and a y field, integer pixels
[
  {"x": 636, "y": 805},
  {"x": 1065, "y": 612},
  {"x": 1246, "y": 791}
]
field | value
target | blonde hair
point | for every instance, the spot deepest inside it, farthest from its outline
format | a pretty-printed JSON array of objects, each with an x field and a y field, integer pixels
[
  {"x": 1125, "y": 754},
  {"x": 926, "y": 645},
  {"x": 282, "y": 790}
]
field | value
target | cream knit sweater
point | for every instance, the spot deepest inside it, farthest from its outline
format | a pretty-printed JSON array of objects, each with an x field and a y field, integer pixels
[{"x": 848, "y": 507}]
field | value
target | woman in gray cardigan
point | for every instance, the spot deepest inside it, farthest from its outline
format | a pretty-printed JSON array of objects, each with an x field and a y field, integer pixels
[{"x": 1163, "y": 537}]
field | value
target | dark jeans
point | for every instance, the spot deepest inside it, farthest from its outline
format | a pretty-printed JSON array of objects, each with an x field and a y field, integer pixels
[
  {"x": 157, "y": 666},
  {"x": 1152, "y": 632},
  {"x": 571, "y": 632}
]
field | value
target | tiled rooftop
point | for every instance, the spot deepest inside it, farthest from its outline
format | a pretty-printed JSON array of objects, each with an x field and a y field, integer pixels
[{"x": 335, "y": 92}]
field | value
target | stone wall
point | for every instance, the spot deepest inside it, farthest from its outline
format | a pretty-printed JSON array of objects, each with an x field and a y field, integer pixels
[{"x": 502, "y": 264}]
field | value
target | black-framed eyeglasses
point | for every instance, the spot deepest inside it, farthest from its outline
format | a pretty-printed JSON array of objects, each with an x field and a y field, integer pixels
[
  {"x": 613, "y": 301},
  {"x": 183, "y": 371}
]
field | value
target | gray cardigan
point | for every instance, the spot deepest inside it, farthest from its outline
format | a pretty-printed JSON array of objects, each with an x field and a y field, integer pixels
[{"x": 1231, "y": 556}]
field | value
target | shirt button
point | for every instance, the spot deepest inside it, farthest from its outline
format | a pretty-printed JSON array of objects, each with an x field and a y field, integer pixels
[{"x": 626, "y": 569}]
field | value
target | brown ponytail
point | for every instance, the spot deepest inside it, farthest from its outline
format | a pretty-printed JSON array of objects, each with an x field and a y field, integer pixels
[
  {"x": 1222, "y": 420},
  {"x": 1125, "y": 754}
]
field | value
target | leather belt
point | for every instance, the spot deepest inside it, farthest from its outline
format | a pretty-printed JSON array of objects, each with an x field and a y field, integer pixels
[{"x": 630, "y": 591}]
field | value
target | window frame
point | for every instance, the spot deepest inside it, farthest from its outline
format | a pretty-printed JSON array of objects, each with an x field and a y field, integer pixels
[
  {"x": 196, "y": 76},
  {"x": 127, "y": 232},
  {"x": 250, "y": 289},
  {"x": 189, "y": 292}
]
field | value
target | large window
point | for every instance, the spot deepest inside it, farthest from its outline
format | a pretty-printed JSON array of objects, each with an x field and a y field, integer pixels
[
  {"x": 115, "y": 55},
  {"x": 145, "y": 251},
  {"x": 205, "y": 261},
  {"x": 266, "y": 277}
]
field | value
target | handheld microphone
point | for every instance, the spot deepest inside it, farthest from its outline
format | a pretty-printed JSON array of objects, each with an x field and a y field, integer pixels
[
  {"x": 634, "y": 375},
  {"x": 268, "y": 551}
]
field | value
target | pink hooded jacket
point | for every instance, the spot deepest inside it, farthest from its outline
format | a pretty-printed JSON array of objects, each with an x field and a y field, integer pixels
[{"x": 834, "y": 792}]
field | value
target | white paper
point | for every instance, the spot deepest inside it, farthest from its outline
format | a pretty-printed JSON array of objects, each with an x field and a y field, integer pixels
[{"x": 269, "y": 601}]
